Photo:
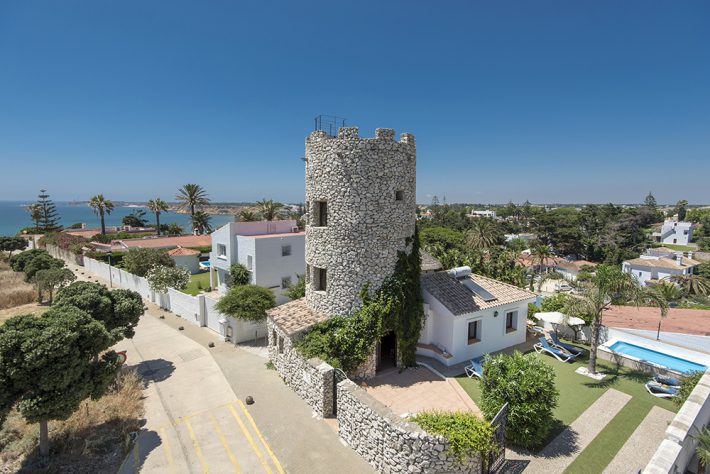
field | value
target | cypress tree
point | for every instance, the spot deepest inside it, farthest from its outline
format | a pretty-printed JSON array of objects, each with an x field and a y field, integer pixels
[{"x": 49, "y": 217}]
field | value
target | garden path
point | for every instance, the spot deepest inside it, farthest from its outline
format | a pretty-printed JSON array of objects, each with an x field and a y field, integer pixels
[{"x": 562, "y": 450}]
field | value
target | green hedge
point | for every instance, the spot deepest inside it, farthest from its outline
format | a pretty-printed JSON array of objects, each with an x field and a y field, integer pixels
[{"x": 468, "y": 435}]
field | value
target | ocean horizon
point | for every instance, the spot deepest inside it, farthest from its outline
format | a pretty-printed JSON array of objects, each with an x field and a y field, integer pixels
[{"x": 14, "y": 216}]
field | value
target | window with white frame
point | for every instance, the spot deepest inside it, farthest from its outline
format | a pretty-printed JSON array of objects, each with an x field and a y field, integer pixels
[
  {"x": 474, "y": 331},
  {"x": 285, "y": 250},
  {"x": 285, "y": 282},
  {"x": 221, "y": 251},
  {"x": 511, "y": 321}
]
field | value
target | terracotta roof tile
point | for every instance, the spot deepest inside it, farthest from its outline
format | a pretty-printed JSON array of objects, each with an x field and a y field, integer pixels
[
  {"x": 182, "y": 252},
  {"x": 295, "y": 316}
]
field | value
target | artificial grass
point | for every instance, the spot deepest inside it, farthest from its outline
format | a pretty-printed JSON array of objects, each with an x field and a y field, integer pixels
[
  {"x": 578, "y": 392},
  {"x": 679, "y": 248},
  {"x": 199, "y": 282}
]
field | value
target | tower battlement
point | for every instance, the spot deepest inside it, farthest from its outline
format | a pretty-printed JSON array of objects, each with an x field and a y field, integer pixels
[{"x": 360, "y": 195}]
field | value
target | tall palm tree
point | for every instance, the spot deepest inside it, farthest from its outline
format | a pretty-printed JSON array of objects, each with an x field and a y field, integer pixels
[
  {"x": 157, "y": 206},
  {"x": 201, "y": 222},
  {"x": 192, "y": 196},
  {"x": 247, "y": 216},
  {"x": 484, "y": 233},
  {"x": 101, "y": 206},
  {"x": 692, "y": 284},
  {"x": 269, "y": 208},
  {"x": 658, "y": 296},
  {"x": 596, "y": 296}
]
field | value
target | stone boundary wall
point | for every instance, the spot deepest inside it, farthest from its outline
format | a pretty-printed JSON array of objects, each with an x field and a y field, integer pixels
[
  {"x": 65, "y": 255},
  {"x": 389, "y": 443},
  {"x": 312, "y": 380},
  {"x": 676, "y": 452}
]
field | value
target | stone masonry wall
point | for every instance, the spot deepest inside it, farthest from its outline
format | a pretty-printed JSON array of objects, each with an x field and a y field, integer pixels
[
  {"x": 311, "y": 379},
  {"x": 389, "y": 443},
  {"x": 369, "y": 186}
]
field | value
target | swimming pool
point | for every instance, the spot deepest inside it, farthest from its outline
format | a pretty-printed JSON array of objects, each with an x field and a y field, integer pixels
[{"x": 657, "y": 358}]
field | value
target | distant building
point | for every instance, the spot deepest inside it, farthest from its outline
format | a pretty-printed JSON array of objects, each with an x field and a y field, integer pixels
[
  {"x": 486, "y": 213},
  {"x": 188, "y": 259},
  {"x": 469, "y": 315},
  {"x": 88, "y": 233},
  {"x": 154, "y": 242},
  {"x": 659, "y": 264},
  {"x": 273, "y": 251},
  {"x": 675, "y": 232},
  {"x": 570, "y": 269}
]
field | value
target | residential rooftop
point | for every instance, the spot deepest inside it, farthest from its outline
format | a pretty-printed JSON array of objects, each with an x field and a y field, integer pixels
[
  {"x": 663, "y": 262},
  {"x": 295, "y": 316}
]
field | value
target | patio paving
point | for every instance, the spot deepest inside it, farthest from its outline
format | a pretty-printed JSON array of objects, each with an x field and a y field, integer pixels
[
  {"x": 642, "y": 444},
  {"x": 418, "y": 389}
]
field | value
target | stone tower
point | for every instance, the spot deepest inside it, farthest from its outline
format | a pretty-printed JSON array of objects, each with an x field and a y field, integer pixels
[{"x": 361, "y": 198}]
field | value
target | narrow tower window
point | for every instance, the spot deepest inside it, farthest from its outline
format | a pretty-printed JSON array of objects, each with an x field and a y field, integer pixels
[
  {"x": 319, "y": 279},
  {"x": 321, "y": 213},
  {"x": 399, "y": 195}
]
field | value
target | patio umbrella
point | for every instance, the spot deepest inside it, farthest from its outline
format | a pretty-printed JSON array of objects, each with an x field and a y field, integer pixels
[{"x": 555, "y": 317}]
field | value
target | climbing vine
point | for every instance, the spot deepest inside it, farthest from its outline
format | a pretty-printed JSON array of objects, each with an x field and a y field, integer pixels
[{"x": 347, "y": 342}]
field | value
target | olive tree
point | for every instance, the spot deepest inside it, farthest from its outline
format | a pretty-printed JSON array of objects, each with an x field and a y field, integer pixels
[
  {"x": 51, "y": 279},
  {"x": 50, "y": 364},
  {"x": 10, "y": 244},
  {"x": 248, "y": 302},
  {"x": 118, "y": 310},
  {"x": 140, "y": 261},
  {"x": 161, "y": 278}
]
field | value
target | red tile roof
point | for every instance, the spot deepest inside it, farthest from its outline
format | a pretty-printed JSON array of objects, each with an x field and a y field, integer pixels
[
  {"x": 182, "y": 252},
  {"x": 167, "y": 242}
]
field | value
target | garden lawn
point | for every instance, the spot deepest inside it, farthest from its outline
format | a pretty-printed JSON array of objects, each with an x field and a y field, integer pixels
[
  {"x": 198, "y": 283},
  {"x": 679, "y": 248},
  {"x": 578, "y": 392}
]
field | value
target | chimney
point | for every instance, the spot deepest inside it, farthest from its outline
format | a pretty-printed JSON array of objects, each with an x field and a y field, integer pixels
[
  {"x": 690, "y": 255},
  {"x": 679, "y": 258}
]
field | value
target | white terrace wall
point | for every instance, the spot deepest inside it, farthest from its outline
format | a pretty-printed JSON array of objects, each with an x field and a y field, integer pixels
[
  {"x": 199, "y": 310},
  {"x": 388, "y": 442},
  {"x": 65, "y": 255},
  {"x": 312, "y": 380},
  {"x": 677, "y": 451}
]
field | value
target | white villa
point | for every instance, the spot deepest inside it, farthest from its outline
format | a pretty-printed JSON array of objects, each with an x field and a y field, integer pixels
[
  {"x": 486, "y": 213},
  {"x": 674, "y": 232},
  {"x": 274, "y": 252},
  {"x": 469, "y": 315},
  {"x": 659, "y": 264}
]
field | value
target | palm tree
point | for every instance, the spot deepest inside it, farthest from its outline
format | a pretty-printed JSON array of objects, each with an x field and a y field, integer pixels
[
  {"x": 201, "y": 222},
  {"x": 658, "y": 295},
  {"x": 174, "y": 229},
  {"x": 269, "y": 208},
  {"x": 596, "y": 296},
  {"x": 247, "y": 216},
  {"x": 192, "y": 196},
  {"x": 484, "y": 233},
  {"x": 692, "y": 284},
  {"x": 157, "y": 206},
  {"x": 703, "y": 448},
  {"x": 101, "y": 206}
]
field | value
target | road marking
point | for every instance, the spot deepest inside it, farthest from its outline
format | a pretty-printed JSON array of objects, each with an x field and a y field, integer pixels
[
  {"x": 263, "y": 441},
  {"x": 166, "y": 450},
  {"x": 196, "y": 445},
  {"x": 220, "y": 434},
  {"x": 249, "y": 438}
]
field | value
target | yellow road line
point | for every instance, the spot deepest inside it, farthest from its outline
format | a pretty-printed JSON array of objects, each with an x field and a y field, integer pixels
[
  {"x": 263, "y": 441},
  {"x": 166, "y": 450},
  {"x": 218, "y": 430},
  {"x": 196, "y": 445},
  {"x": 250, "y": 439}
]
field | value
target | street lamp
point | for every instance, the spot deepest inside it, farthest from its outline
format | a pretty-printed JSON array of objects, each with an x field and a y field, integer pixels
[{"x": 110, "y": 278}]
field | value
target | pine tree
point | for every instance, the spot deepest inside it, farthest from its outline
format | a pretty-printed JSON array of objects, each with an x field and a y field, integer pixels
[
  {"x": 48, "y": 217},
  {"x": 650, "y": 201}
]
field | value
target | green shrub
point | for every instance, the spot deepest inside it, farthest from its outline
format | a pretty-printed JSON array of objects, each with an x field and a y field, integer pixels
[
  {"x": 116, "y": 257},
  {"x": 686, "y": 388},
  {"x": 527, "y": 384},
  {"x": 239, "y": 275},
  {"x": 72, "y": 243},
  {"x": 139, "y": 261},
  {"x": 248, "y": 302},
  {"x": 468, "y": 435}
]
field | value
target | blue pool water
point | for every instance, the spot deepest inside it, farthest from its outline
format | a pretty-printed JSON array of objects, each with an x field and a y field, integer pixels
[{"x": 658, "y": 358}]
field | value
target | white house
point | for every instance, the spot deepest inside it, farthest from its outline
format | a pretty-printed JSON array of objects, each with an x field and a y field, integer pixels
[
  {"x": 273, "y": 251},
  {"x": 469, "y": 315},
  {"x": 186, "y": 258},
  {"x": 674, "y": 232},
  {"x": 486, "y": 213},
  {"x": 659, "y": 264}
]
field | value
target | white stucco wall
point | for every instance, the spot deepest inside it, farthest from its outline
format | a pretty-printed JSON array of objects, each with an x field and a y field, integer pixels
[
  {"x": 644, "y": 274},
  {"x": 270, "y": 267},
  {"x": 190, "y": 262}
]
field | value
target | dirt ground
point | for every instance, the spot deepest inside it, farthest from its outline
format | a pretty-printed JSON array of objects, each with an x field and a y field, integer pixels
[{"x": 32, "y": 308}]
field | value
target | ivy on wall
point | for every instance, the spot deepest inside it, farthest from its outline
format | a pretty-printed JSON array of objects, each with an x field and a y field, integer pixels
[{"x": 347, "y": 342}]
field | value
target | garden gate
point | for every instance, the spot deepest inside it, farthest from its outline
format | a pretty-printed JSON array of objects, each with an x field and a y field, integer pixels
[{"x": 496, "y": 459}]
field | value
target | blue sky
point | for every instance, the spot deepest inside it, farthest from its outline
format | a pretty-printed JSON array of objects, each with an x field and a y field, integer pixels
[{"x": 551, "y": 101}]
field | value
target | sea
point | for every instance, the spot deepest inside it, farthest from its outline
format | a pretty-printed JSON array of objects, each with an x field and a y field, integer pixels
[{"x": 14, "y": 216}]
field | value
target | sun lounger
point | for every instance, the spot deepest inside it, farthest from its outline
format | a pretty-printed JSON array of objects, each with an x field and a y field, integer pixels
[
  {"x": 661, "y": 391},
  {"x": 568, "y": 347},
  {"x": 475, "y": 369},
  {"x": 666, "y": 380},
  {"x": 557, "y": 353}
]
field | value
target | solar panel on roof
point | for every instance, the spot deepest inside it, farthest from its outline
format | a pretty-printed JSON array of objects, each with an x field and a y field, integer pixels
[{"x": 474, "y": 287}]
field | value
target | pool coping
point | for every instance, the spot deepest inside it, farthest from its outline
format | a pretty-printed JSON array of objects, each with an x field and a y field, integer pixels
[{"x": 655, "y": 346}]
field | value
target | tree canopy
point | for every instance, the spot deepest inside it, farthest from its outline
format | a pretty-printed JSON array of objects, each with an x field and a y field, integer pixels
[
  {"x": 119, "y": 310},
  {"x": 161, "y": 278},
  {"x": 140, "y": 260},
  {"x": 51, "y": 279},
  {"x": 10, "y": 244},
  {"x": 239, "y": 275},
  {"x": 248, "y": 302}
]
